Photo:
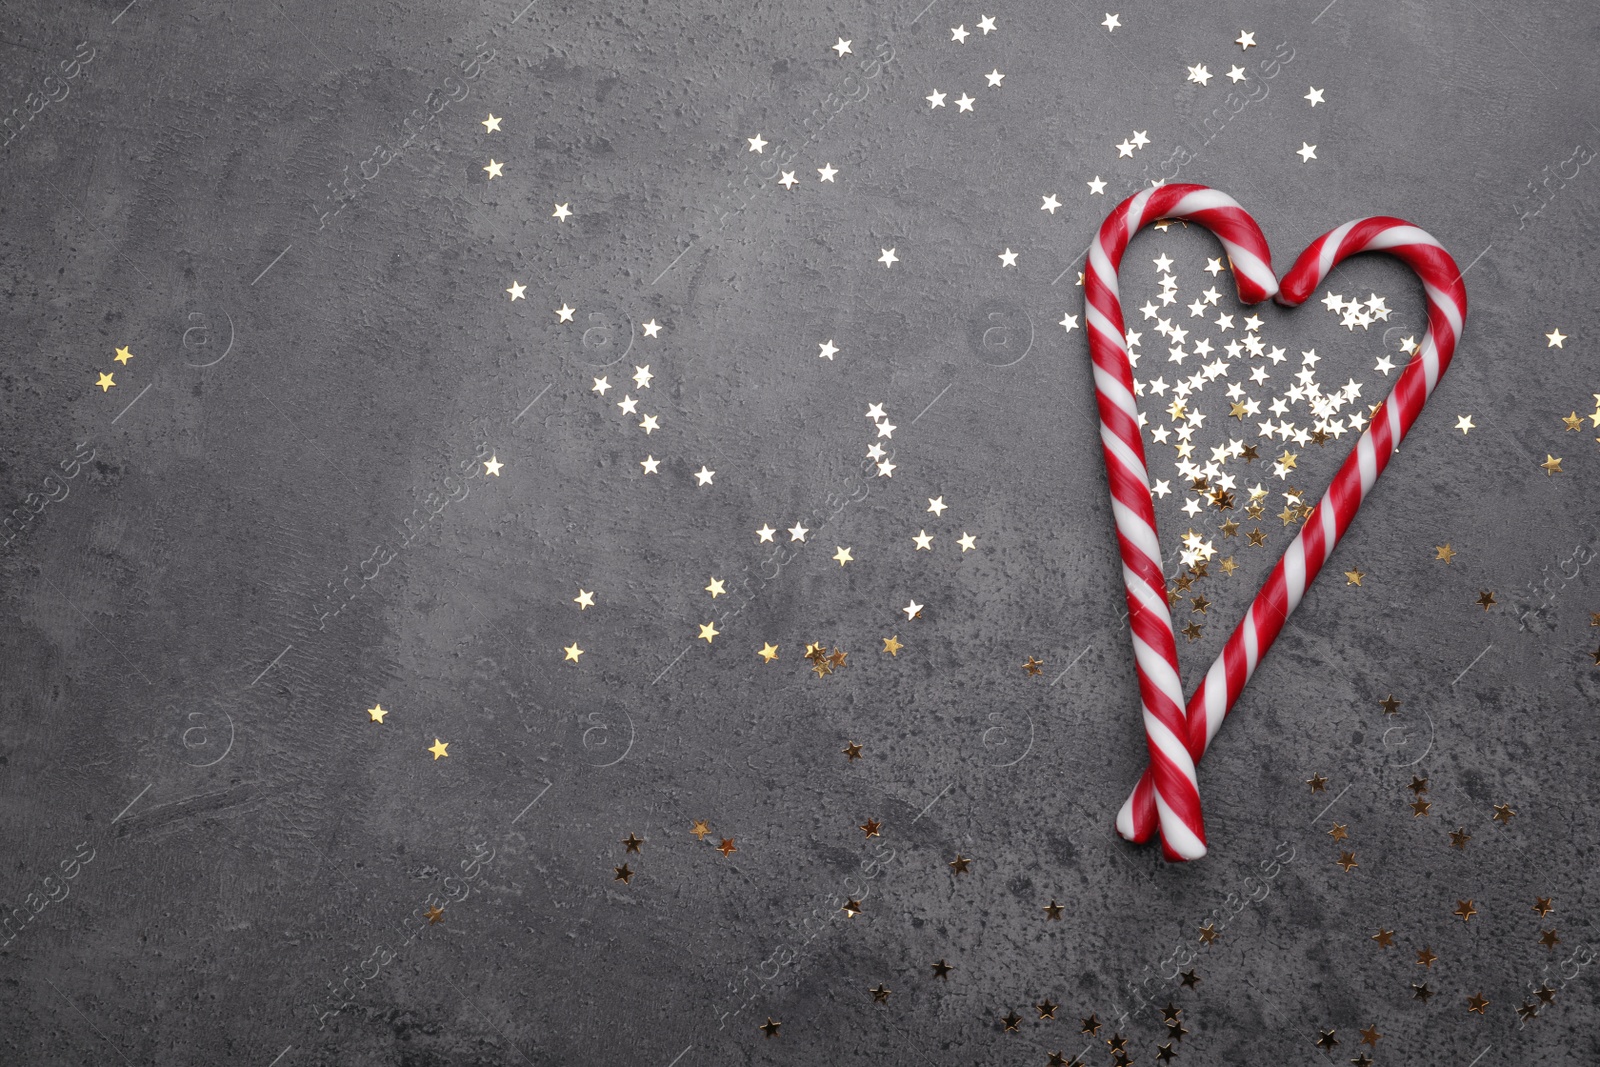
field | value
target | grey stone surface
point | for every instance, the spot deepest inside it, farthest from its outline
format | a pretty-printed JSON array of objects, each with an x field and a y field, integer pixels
[{"x": 278, "y": 516}]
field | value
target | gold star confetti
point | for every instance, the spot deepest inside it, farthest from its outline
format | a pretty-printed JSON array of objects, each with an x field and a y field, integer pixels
[
  {"x": 584, "y": 599},
  {"x": 960, "y": 864},
  {"x": 1503, "y": 814},
  {"x": 1419, "y": 808},
  {"x": 1486, "y": 600},
  {"x": 1033, "y": 665},
  {"x": 1318, "y": 783},
  {"x": 435, "y": 915},
  {"x": 1353, "y": 577},
  {"x": 700, "y": 828},
  {"x": 1459, "y": 838},
  {"x": 624, "y": 874},
  {"x": 843, "y": 556},
  {"x": 1425, "y": 957},
  {"x": 1477, "y": 1003},
  {"x": 1549, "y": 940},
  {"x": 573, "y": 652},
  {"x": 708, "y": 630},
  {"x": 1208, "y": 933},
  {"x": 632, "y": 842},
  {"x": 1551, "y": 465},
  {"x": 870, "y": 828},
  {"x": 1543, "y": 906},
  {"x": 880, "y": 993},
  {"x": 123, "y": 355},
  {"x": 1053, "y": 910},
  {"x": 1389, "y": 704},
  {"x": 727, "y": 848},
  {"x": 1339, "y": 832},
  {"x": 1573, "y": 421},
  {"x": 1384, "y": 938},
  {"x": 494, "y": 169},
  {"x": 770, "y": 1027},
  {"x": 438, "y": 748},
  {"x": 941, "y": 969},
  {"x": 715, "y": 588},
  {"x": 851, "y": 908},
  {"x": 1347, "y": 860},
  {"x": 852, "y": 751},
  {"x": 376, "y": 712},
  {"x": 1465, "y": 910},
  {"x": 1464, "y": 424},
  {"x": 967, "y": 541},
  {"x": 1444, "y": 552},
  {"x": 768, "y": 653},
  {"x": 105, "y": 383},
  {"x": 490, "y": 124},
  {"x": 892, "y": 645}
]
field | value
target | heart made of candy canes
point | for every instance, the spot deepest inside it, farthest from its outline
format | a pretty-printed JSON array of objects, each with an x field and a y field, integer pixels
[{"x": 1177, "y": 733}]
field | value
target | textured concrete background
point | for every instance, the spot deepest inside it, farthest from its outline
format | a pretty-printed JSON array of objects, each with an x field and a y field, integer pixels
[{"x": 280, "y": 515}]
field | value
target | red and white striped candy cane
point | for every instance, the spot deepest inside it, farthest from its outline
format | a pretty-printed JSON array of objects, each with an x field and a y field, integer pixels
[
  {"x": 1174, "y": 794},
  {"x": 1282, "y": 592}
]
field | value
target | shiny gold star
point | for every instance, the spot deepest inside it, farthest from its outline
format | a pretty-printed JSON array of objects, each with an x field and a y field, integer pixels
[
  {"x": 1012, "y": 1021},
  {"x": 1090, "y": 1026},
  {"x": 1425, "y": 957},
  {"x": 1384, "y": 938},
  {"x": 1418, "y": 785},
  {"x": 1389, "y": 704},
  {"x": 880, "y": 993},
  {"x": 435, "y": 915},
  {"x": 1465, "y": 424},
  {"x": 820, "y": 667},
  {"x": 1256, "y": 537},
  {"x": 1353, "y": 577},
  {"x": 105, "y": 383},
  {"x": 770, "y": 1027},
  {"x": 1229, "y": 566},
  {"x": 727, "y": 847},
  {"x": 870, "y": 827},
  {"x": 1046, "y": 1010},
  {"x": 892, "y": 645},
  {"x": 1573, "y": 421},
  {"x": 843, "y": 556},
  {"x": 1191, "y": 631},
  {"x": 1208, "y": 933},
  {"x": 1318, "y": 783},
  {"x": 1486, "y": 600},
  {"x": 624, "y": 874},
  {"x": 1551, "y": 465},
  {"x": 1545, "y": 994},
  {"x": 1052, "y": 910},
  {"x": 700, "y": 829},
  {"x": 1549, "y": 940},
  {"x": 1459, "y": 838},
  {"x": 768, "y": 653},
  {"x": 123, "y": 355},
  {"x": 1543, "y": 906},
  {"x": 1200, "y": 604},
  {"x": 851, "y": 908},
  {"x": 1033, "y": 665},
  {"x": 573, "y": 652},
  {"x": 376, "y": 712},
  {"x": 837, "y": 658},
  {"x": 1465, "y": 910},
  {"x": 1288, "y": 459},
  {"x": 1477, "y": 1003},
  {"x": 708, "y": 630},
  {"x": 960, "y": 864},
  {"x": 494, "y": 169},
  {"x": 1503, "y": 814},
  {"x": 715, "y": 588},
  {"x": 1370, "y": 1035},
  {"x": 1419, "y": 808},
  {"x": 1527, "y": 1012},
  {"x": 1421, "y": 992},
  {"x": 438, "y": 748},
  {"x": 852, "y": 751},
  {"x": 1326, "y": 1040},
  {"x": 1190, "y": 979},
  {"x": 941, "y": 969},
  {"x": 584, "y": 599},
  {"x": 1339, "y": 833},
  {"x": 632, "y": 842},
  {"x": 1444, "y": 552}
]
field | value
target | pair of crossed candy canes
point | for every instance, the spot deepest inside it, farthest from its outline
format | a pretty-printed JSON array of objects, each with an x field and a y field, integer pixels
[{"x": 1167, "y": 797}]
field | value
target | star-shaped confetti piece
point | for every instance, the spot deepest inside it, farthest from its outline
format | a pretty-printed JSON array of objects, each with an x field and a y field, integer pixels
[
  {"x": 123, "y": 355},
  {"x": 439, "y": 748},
  {"x": 376, "y": 712}
]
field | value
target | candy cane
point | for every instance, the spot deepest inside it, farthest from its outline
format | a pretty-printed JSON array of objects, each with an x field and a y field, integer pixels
[
  {"x": 1174, "y": 793},
  {"x": 1171, "y": 776},
  {"x": 1446, "y": 297}
]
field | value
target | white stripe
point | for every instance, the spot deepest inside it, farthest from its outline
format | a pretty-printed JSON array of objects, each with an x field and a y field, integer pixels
[
  {"x": 1124, "y": 455},
  {"x": 1160, "y": 673},
  {"x": 1203, "y": 200},
  {"x": 1178, "y": 836},
  {"x": 1252, "y": 647},
  {"x": 1334, "y": 239},
  {"x": 1294, "y": 572},
  {"x": 1365, "y": 451},
  {"x": 1330, "y": 527},
  {"x": 1150, "y": 601},
  {"x": 1135, "y": 219},
  {"x": 1440, "y": 299},
  {"x": 1125, "y": 825},
  {"x": 1395, "y": 236},
  {"x": 1107, "y": 385},
  {"x": 1215, "y": 707},
  {"x": 1100, "y": 263}
]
